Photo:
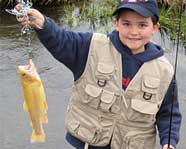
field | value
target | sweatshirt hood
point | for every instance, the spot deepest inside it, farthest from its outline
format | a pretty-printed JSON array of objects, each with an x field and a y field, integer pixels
[{"x": 151, "y": 52}]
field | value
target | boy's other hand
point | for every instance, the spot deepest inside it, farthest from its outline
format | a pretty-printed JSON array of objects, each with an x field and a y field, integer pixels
[
  {"x": 166, "y": 147},
  {"x": 34, "y": 18}
]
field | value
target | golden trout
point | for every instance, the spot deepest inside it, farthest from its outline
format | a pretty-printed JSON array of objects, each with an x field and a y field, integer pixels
[{"x": 34, "y": 100}]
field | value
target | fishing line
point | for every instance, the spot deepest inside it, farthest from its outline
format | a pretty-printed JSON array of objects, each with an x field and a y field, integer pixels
[
  {"x": 174, "y": 91},
  {"x": 24, "y": 6}
]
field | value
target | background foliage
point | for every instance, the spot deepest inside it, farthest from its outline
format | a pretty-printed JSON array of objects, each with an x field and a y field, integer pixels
[{"x": 98, "y": 12}]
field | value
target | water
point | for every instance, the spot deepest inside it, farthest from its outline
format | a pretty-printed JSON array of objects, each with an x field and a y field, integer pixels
[{"x": 14, "y": 123}]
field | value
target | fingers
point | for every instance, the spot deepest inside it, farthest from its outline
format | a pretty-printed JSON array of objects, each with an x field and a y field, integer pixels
[
  {"x": 17, "y": 7},
  {"x": 23, "y": 19},
  {"x": 33, "y": 17},
  {"x": 36, "y": 19}
]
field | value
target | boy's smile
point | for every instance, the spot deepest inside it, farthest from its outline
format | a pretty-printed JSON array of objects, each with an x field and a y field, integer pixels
[{"x": 135, "y": 31}]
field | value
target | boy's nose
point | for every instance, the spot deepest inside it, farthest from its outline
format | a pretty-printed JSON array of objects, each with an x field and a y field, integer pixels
[{"x": 134, "y": 30}]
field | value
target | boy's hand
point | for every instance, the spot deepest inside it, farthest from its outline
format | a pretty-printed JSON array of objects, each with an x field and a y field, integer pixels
[
  {"x": 34, "y": 18},
  {"x": 166, "y": 147}
]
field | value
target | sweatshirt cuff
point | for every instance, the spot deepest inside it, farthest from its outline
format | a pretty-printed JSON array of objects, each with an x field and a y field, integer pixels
[
  {"x": 165, "y": 141},
  {"x": 43, "y": 33}
]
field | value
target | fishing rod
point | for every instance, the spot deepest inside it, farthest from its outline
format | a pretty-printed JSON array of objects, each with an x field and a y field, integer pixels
[{"x": 174, "y": 90}]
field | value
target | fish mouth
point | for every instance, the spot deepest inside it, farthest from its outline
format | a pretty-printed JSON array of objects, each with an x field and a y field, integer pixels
[
  {"x": 28, "y": 71},
  {"x": 24, "y": 69}
]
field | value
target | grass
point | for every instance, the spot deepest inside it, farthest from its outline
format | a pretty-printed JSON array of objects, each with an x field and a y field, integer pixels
[
  {"x": 98, "y": 12},
  {"x": 169, "y": 19}
]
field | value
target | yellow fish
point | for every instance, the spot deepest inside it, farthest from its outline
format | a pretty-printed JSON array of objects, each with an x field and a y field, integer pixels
[{"x": 34, "y": 100}]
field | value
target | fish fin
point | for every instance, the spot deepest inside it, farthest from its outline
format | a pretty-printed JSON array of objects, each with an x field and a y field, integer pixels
[
  {"x": 45, "y": 119},
  {"x": 37, "y": 137},
  {"x": 25, "y": 107},
  {"x": 31, "y": 124},
  {"x": 45, "y": 105}
]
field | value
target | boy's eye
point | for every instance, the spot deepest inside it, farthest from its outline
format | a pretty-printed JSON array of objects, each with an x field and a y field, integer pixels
[
  {"x": 143, "y": 25},
  {"x": 125, "y": 24}
]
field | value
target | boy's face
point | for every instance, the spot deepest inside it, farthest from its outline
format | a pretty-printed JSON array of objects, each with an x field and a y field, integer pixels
[{"x": 135, "y": 30}]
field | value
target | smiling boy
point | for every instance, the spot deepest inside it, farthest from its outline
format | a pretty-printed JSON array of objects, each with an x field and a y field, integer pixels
[
  {"x": 122, "y": 82},
  {"x": 135, "y": 31}
]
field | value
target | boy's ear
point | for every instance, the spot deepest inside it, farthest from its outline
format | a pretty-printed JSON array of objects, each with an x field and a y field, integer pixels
[
  {"x": 156, "y": 27},
  {"x": 115, "y": 21}
]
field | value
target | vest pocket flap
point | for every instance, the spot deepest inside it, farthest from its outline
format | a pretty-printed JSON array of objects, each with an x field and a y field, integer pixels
[
  {"x": 86, "y": 134},
  {"x": 144, "y": 107},
  {"x": 92, "y": 90},
  {"x": 107, "y": 100},
  {"x": 107, "y": 97},
  {"x": 105, "y": 68},
  {"x": 73, "y": 125},
  {"x": 150, "y": 84}
]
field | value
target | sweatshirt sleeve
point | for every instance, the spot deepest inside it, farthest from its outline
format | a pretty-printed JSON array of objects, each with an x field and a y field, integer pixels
[
  {"x": 163, "y": 117},
  {"x": 68, "y": 47}
]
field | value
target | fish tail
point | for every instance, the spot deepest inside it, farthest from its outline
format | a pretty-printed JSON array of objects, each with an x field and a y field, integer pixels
[{"x": 37, "y": 137}]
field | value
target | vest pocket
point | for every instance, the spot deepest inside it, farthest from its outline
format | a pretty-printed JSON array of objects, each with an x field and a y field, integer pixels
[
  {"x": 142, "y": 111},
  {"x": 133, "y": 143},
  {"x": 150, "y": 88},
  {"x": 88, "y": 127},
  {"x": 84, "y": 133},
  {"x": 107, "y": 100},
  {"x": 144, "y": 105},
  {"x": 92, "y": 96},
  {"x": 99, "y": 98},
  {"x": 139, "y": 140},
  {"x": 104, "y": 71}
]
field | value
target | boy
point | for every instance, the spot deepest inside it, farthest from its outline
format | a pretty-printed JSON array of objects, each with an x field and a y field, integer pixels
[{"x": 122, "y": 82}]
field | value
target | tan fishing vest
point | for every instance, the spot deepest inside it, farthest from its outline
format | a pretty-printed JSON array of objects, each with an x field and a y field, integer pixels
[{"x": 100, "y": 111}]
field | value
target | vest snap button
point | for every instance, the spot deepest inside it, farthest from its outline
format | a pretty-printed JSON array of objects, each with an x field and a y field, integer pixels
[{"x": 102, "y": 83}]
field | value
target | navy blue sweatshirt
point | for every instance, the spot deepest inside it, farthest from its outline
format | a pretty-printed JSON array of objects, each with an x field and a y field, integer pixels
[{"x": 72, "y": 49}]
